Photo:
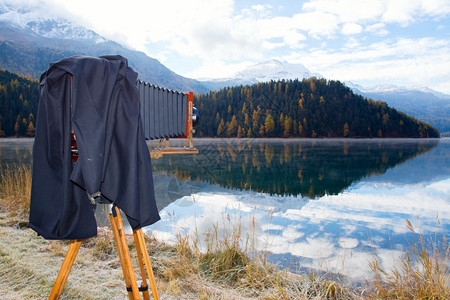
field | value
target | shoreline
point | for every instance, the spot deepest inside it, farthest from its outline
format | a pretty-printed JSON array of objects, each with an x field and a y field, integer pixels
[
  {"x": 29, "y": 265},
  {"x": 269, "y": 138},
  {"x": 227, "y": 270}
]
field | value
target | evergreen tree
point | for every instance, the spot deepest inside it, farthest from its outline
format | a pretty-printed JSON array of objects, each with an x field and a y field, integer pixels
[
  {"x": 303, "y": 108},
  {"x": 19, "y": 97}
]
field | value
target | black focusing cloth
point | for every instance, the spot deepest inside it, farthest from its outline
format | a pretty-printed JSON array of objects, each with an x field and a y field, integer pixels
[{"x": 99, "y": 100}]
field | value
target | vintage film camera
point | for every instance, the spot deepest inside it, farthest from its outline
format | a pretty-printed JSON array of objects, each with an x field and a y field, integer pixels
[{"x": 167, "y": 114}]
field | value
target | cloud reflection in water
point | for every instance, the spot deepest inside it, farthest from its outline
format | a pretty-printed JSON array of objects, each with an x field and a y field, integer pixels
[{"x": 337, "y": 232}]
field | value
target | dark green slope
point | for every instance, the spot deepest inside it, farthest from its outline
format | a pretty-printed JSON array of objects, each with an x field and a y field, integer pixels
[
  {"x": 19, "y": 97},
  {"x": 308, "y": 108}
]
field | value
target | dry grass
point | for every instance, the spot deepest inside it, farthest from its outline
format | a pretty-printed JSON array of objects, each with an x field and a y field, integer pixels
[
  {"x": 422, "y": 274},
  {"x": 15, "y": 189},
  {"x": 29, "y": 265},
  {"x": 232, "y": 268},
  {"x": 207, "y": 266}
]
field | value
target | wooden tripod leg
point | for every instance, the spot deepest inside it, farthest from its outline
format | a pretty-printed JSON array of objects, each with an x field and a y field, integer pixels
[
  {"x": 143, "y": 253},
  {"x": 124, "y": 254},
  {"x": 144, "y": 286},
  {"x": 65, "y": 269},
  {"x": 119, "y": 247}
]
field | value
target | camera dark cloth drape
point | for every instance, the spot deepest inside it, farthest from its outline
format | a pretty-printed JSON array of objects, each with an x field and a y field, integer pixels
[{"x": 98, "y": 99}]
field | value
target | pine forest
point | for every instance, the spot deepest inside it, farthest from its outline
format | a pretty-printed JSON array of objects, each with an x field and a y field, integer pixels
[
  {"x": 307, "y": 108},
  {"x": 19, "y": 98}
]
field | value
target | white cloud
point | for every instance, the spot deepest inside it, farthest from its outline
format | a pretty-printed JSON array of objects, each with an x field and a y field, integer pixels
[
  {"x": 262, "y": 9},
  {"x": 390, "y": 11},
  {"x": 292, "y": 38},
  {"x": 317, "y": 24},
  {"x": 224, "y": 38},
  {"x": 347, "y": 10},
  {"x": 422, "y": 62},
  {"x": 311, "y": 247},
  {"x": 352, "y": 43},
  {"x": 217, "y": 68},
  {"x": 348, "y": 243},
  {"x": 351, "y": 28},
  {"x": 407, "y": 11},
  {"x": 437, "y": 8},
  {"x": 378, "y": 29},
  {"x": 399, "y": 11}
]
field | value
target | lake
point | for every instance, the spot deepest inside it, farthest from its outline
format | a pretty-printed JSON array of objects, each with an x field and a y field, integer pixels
[{"x": 312, "y": 204}]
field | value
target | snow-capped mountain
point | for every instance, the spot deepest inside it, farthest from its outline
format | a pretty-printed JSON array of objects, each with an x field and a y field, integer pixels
[
  {"x": 422, "y": 103},
  {"x": 62, "y": 29},
  {"x": 391, "y": 88},
  {"x": 275, "y": 70},
  {"x": 31, "y": 38},
  {"x": 263, "y": 72},
  {"x": 45, "y": 25}
]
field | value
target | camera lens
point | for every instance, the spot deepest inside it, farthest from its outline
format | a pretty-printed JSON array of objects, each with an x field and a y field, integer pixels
[{"x": 195, "y": 116}]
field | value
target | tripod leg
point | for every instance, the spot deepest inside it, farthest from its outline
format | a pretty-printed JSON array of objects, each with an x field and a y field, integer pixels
[
  {"x": 119, "y": 246},
  {"x": 144, "y": 285},
  {"x": 143, "y": 253},
  {"x": 65, "y": 269},
  {"x": 124, "y": 254}
]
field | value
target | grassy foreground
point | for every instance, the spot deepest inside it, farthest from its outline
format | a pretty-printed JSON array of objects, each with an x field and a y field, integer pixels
[{"x": 29, "y": 265}]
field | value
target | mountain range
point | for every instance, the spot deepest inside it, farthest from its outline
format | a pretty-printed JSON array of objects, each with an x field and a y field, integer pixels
[
  {"x": 263, "y": 72},
  {"x": 30, "y": 41},
  {"x": 422, "y": 103}
]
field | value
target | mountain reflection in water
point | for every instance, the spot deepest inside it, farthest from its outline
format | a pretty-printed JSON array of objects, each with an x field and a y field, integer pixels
[
  {"x": 310, "y": 168},
  {"x": 363, "y": 191}
]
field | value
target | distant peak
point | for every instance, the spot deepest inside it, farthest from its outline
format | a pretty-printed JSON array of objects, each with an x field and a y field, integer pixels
[
  {"x": 274, "y": 61},
  {"x": 275, "y": 69},
  {"x": 393, "y": 90},
  {"x": 41, "y": 22}
]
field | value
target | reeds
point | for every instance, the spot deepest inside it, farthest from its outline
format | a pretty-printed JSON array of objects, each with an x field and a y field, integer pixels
[
  {"x": 423, "y": 273},
  {"x": 219, "y": 264},
  {"x": 15, "y": 189},
  {"x": 223, "y": 264}
]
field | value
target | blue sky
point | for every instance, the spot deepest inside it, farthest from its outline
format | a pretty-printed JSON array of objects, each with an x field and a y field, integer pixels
[{"x": 368, "y": 42}]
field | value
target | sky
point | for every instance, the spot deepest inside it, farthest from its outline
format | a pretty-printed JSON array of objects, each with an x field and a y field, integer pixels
[{"x": 367, "y": 42}]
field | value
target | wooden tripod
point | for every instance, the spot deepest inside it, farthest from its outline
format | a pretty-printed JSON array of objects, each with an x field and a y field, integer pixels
[{"x": 145, "y": 266}]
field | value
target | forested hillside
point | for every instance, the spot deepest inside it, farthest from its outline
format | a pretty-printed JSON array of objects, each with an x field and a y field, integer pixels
[
  {"x": 308, "y": 108},
  {"x": 19, "y": 97}
]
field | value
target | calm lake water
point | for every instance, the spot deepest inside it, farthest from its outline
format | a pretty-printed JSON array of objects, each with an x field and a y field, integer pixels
[{"x": 326, "y": 205}]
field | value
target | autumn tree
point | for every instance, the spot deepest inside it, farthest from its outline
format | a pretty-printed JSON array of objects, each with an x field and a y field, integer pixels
[
  {"x": 269, "y": 124},
  {"x": 30, "y": 129},
  {"x": 287, "y": 126},
  {"x": 232, "y": 128},
  {"x": 220, "y": 128},
  {"x": 262, "y": 130},
  {"x": 241, "y": 132},
  {"x": 346, "y": 130}
]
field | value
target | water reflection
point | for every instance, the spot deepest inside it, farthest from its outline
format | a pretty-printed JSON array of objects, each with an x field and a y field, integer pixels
[
  {"x": 16, "y": 151},
  {"x": 310, "y": 168},
  {"x": 341, "y": 232},
  {"x": 363, "y": 191}
]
